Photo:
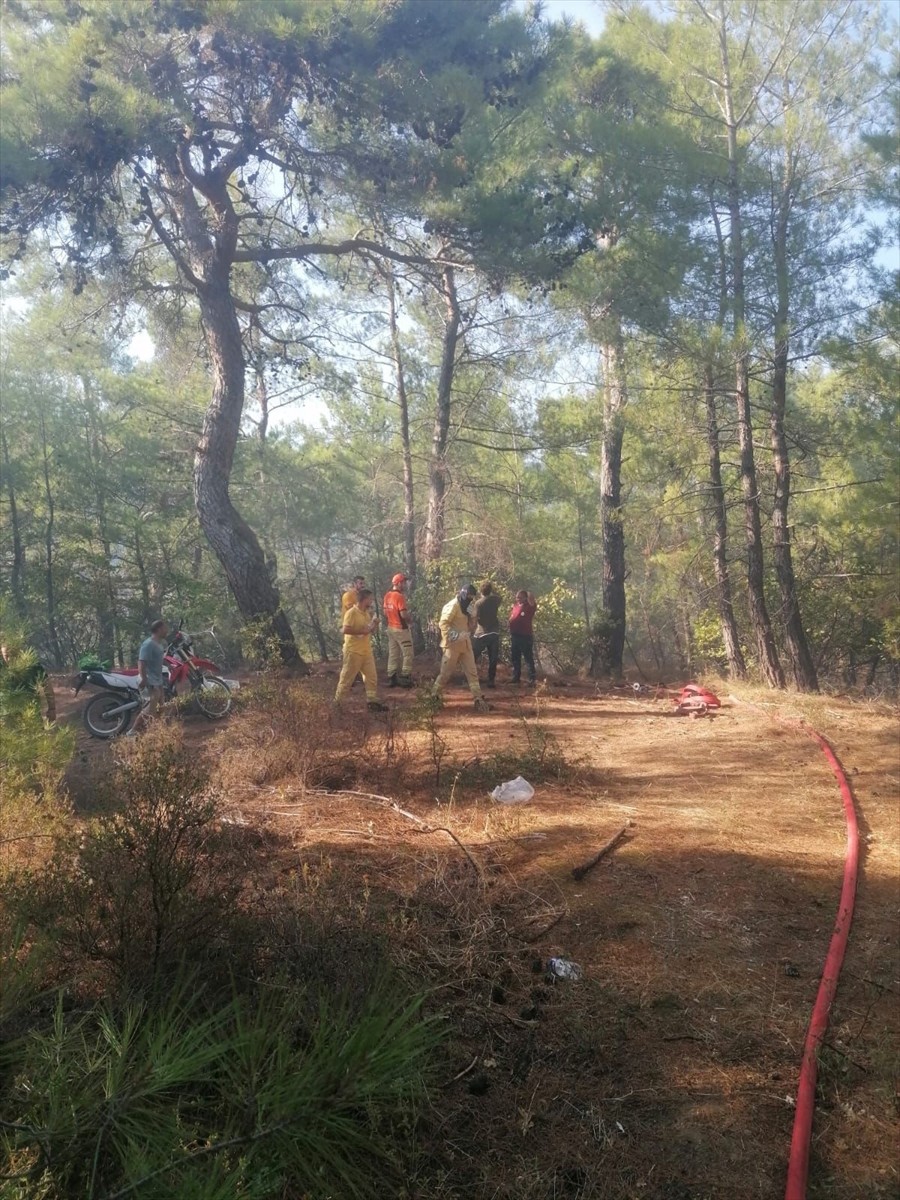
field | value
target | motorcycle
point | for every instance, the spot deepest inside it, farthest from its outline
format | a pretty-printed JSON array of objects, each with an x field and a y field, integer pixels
[{"x": 111, "y": 712}]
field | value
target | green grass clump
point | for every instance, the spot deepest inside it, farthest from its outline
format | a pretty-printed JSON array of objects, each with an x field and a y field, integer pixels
[
  {"x": 537, "y": 755},
  {"x": 244, "y": 1099}
]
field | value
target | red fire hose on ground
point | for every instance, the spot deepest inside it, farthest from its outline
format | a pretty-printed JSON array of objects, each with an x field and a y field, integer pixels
[{"x": 798, "y": 1163}]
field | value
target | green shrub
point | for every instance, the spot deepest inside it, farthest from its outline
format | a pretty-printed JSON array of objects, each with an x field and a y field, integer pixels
[
  {"x": 537, "y": 755},
  {"x": 145, "y": 886},
  {"x": 33, "y": 753},
  {"x": 246, "y": 1100}
]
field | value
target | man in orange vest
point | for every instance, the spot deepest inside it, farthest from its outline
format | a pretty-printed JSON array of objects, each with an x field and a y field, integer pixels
[{"x": 400, "y": 643}]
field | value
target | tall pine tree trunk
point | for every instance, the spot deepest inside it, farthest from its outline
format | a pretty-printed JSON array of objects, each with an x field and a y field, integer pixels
[
  {"x": 612, "y": 532},
  {"x": 210, "y": 239},
  {"x": 734, "y": 654},
  {"x": 234, "y": 542},
  {"x": 803, "y": 669},
  {"x": 143, "y": 581},
  {"x": 437, "y": 467},
  {"x": 767, "y": 652},
  {"x": 410, "y": 564},
  {"x": 49, "y": 544},
  {"x": 17, "y": 574}
]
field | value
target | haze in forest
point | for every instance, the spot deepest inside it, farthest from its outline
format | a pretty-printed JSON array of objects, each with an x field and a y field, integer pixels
[{"x": 595, "y": 300}]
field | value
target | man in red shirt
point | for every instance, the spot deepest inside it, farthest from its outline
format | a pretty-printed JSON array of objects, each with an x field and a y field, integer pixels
[
  {"x": 400, "y": 644},
  {"x": 521, "y": 635}
]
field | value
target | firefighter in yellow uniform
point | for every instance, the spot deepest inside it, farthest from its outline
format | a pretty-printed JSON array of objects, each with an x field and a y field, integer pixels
[
  {"x": 456, "y": 642},
  {"x": 359, "y": 625},
  {"x": 351, "y": 596}
]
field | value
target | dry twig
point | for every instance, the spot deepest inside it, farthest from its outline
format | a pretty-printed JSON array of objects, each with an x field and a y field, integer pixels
[
  {"x": 580, "y": 872},
  {"x": 424, "y": 826}
]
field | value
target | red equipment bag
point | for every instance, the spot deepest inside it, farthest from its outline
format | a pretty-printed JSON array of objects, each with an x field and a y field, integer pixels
[{"x": 693, "y": 691}]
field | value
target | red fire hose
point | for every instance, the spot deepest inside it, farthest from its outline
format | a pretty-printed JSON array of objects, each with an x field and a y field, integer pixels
[{"x": 798, "y": 1163}]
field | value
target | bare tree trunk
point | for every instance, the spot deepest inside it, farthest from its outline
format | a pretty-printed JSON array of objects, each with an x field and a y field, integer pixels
[
  {"x": 310, "y": 597},
  {"x": 109, "y": 637},
  {"x": 146, "y": 607},
  {"x": 49, "y": 585},
  {"x": 737, "y": 667},
  {"x": 262, "y": 425},
  {"x": 17, "y": 576},
  {"x": 211, "y": 243},
  {"x": 409, "y": 497},
  {"x": 803, "y": 668},
  {"x": 437, "y": 467},
  {"x": 767, "y": 651},
  {"x": 612, "y": 533},
  {"x": 234, "y": 542}
]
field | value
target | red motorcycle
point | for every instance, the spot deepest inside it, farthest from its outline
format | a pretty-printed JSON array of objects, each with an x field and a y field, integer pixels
[{"x": 110, "y": 713}]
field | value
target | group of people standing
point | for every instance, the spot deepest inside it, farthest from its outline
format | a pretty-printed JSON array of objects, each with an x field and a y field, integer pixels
[{"x": 469, "y": 625}]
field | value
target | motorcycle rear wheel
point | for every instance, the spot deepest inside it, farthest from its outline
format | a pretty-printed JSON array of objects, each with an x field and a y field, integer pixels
[
  {"x": 213, "y": 697},
  {"x": 98, "y": 724}
]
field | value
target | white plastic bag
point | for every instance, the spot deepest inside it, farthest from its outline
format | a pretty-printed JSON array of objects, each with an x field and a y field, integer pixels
[{"x": 514, "y": 791}]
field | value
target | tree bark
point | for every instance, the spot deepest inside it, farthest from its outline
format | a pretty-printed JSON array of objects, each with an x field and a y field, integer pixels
[
  {"x": 803, "y": 669},
  {"x": 109, "y": 635},
  {"x": 409, "y": 496},
  {"x": 737, "y": 667},
  {"x": 310, "y": 598},
  {"x": 409, "y": 499},
  {"x": 767, "y": 651},
  {"x": 234, "y": 542},
  {"x": 437, "y": 467},
  {"x": 146, "y": 607},
  {"x": 612, "y": 532},
  {"x": 17, "y": 577},
  {"x": 210, "y": 238},
  {"x": 49, "y": 584}
]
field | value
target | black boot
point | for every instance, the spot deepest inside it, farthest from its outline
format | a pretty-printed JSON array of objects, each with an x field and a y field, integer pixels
[
  {"x": 377, "y": 706},
  {"x": 392, "y": 680},
  {"x": 405, "y": 681}
]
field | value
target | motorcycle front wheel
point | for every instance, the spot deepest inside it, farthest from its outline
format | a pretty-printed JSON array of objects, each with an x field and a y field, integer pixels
[
  {"x": 213, "y": 697},
  {"x": 97, "y": 721}
]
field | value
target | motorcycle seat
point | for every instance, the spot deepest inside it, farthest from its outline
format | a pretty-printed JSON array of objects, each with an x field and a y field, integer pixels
[{"x": 114, "y": 680}]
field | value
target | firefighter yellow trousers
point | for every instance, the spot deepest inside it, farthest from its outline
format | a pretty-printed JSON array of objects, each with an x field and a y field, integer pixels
[
  {"x": 358, "y": 660},
  {"x": 459, "y": 657}
]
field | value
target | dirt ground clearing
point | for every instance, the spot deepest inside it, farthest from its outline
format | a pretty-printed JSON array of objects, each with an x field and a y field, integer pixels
[{"x": 669, "y": 1070}]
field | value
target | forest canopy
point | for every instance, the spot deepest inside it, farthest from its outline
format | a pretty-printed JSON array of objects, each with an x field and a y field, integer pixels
[{"x": 295, "y": 292}]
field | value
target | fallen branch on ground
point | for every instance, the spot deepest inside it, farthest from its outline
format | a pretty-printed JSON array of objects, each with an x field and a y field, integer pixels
[
  {"x": 424, "y": 826},
  {"x": 536, "y": 937},
  {"x": 580, "y": 872}
]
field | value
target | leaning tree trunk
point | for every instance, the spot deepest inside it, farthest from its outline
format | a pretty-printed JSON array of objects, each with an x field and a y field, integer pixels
[
  {"x": 612, "y": 532},
  {"x": 730, "y": 636},
  {"x": 759, "y": 613},
  {"x": 803, "y": 668},
  {"x": 232, "y": 539},
  {"x": 437, "y": 466}
]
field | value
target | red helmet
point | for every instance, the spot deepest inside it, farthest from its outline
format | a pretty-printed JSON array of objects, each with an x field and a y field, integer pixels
[{"x": 398, "y": 579}]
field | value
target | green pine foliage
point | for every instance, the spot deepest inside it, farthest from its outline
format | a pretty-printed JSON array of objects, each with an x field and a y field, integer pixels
[
  {"x": 196, "y": 1045},
  {"x": 175, "y": 1097}
]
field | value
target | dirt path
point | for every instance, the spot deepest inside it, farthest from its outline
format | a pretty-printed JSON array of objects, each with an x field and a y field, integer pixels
[{"x": 669, "y": 1070}]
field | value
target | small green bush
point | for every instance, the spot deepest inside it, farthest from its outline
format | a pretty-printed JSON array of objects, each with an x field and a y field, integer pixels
[
  {"x": 33, "y": 753},
  {"x": 145, "y": 887},
  {"x": 537, "y": 755},
  {"x": 245, "y": 1100}
]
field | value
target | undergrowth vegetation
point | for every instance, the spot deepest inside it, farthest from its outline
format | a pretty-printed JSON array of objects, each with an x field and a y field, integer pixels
[
  {"x": 33, "y": 753},
  {"x": 164, "y": 1037}
]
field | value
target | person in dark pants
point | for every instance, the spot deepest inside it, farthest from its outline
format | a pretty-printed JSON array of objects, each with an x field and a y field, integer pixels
[
  {"x": 521, "y": 635},
  {"x": 487, "y": 630}
]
